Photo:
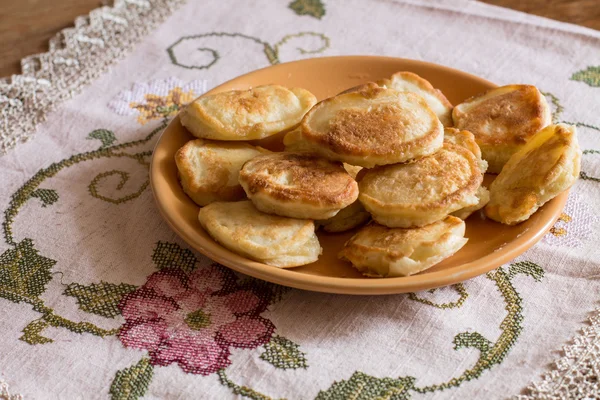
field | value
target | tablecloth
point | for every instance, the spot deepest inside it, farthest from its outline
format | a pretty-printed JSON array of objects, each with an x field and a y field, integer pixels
[{"x": 99, "y": 299}]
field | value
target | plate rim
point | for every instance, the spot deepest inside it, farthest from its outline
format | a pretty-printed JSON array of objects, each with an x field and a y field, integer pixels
[{"x": 339, "y": 285}]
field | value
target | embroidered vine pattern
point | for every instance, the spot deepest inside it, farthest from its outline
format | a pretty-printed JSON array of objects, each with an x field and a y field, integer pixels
[
  {"x": 557, "y": 107},
  {"x": 197, "y": 45},
  {"x": 459, "y": 288},
  {"x": 24, "y": 273},
  {"x": 362, "y": 386}
]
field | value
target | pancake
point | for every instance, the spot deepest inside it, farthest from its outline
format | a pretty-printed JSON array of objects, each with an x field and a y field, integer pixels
[
  {"x": 270, "y": 239},
  {"x": 424, "y": 191},
  {"x": 293, "y": 142},
  {"x": 298, "y": 185},
  {"x": 348, "y": 218},
  {"x": 483, "y": 195},
  {"x": 467, "y": 140},
  {"x": 208, "y": 170},
  {"x": 378, "y": 251},
  {"x": 503, "y": 119},
  {"x": 409, "y": 82},
  {"x": 546, "y": 166},
  {"x": 250, "y": 114},
  {"x": 373, "y": 126}
]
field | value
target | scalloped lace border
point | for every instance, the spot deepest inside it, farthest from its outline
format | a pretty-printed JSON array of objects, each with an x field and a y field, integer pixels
[
  {"x": 576, "y": 374},
  {"x": 5, "y": 393},
  {"x": 76, "y": 57}
]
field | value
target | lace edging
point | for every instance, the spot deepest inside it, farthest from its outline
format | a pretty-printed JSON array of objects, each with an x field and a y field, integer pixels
[
  {"x": 76, "y": 57},
  {"x": 575, "y": 375},
  {"x": 5, "y": 393}
]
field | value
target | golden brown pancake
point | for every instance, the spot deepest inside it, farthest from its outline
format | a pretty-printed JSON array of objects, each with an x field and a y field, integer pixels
[
  {"x": 423, "y": 191},
  {"x": 298, "y": 185},
  {"x": 209, "y": 170},
  {"x": 271, "y": 239},
  {"x": 250, "y": 114},
  {"x": 379, "y": 251},
  {"x": 372, "y": 127},
  {"x": 546, "y": 166},
  {"x": 503, "y": 119},
  {"x": 405, "y": 81}
]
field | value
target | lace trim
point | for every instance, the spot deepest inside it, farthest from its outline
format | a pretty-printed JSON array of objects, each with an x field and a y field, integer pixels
[
  {"x": 76, "y": 57},
  {"x": 5, "y": 393},
  {"x": 576, "y": 374}
]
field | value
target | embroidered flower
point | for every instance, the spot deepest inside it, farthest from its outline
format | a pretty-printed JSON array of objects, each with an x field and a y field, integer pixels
[
  {"x": 156, "y": 99},
  {"x": 193, "y": 320},
  {"x": 573, "y": 227}
]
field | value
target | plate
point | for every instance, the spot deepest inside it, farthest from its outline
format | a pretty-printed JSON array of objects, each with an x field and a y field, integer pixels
[{"x": 490, "y": 244}]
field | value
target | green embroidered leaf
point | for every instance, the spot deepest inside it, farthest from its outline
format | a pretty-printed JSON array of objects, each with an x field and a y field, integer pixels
[
  {"x": 284, "y": 354},
  {"x": 132, "y": 383},
  {"x": 47, "y": 196},
  {"x": 99, "y": 298},
  {"x": 472, "y": 339},
  {"x": 591, "y": 76},
  {"x": 171, "y": 255},
  {"x": 23, "y": 272},
  {"x": 104, "y": 135},
  {"x": 31, "y": 333},
  {"x": 527, "y": 268},
  {"x": 314, "y": 8},
  {"x": 365, "y": 387}
]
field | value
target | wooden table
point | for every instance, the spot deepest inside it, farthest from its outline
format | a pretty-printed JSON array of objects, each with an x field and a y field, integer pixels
[{"x": 27, "y": 25}]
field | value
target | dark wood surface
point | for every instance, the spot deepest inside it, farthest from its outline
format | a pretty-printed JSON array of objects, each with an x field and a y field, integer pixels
[{"x": 27, "y": 25}]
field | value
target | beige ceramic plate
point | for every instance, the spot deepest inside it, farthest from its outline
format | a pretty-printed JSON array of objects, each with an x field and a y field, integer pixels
[{"x": 490, "y": 244}]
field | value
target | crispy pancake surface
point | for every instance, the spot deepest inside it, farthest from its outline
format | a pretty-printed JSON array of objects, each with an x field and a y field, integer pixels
[
  {"x": 379, "y": 251},
  {"x": 546, "y": 166},
  {"x": 209, "y": 170},
  {"x": 405, "y": 81},
  {"x": 348, "y": 218},
  {"x": 423, "y": 191},
  {"x": 298, "y": 185},
  {"x": 271, "y": 239},
  {"x": 373, "y": 126},
  {"x": 247, "y": 114},
  {"x": 503, "y": 119}
]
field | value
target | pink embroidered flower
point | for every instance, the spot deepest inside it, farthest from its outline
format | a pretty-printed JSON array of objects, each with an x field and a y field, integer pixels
[{"x": 194, "y": 319}]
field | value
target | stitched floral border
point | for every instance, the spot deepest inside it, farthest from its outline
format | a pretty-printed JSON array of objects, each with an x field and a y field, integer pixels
[{"x": 76, "y": 57}]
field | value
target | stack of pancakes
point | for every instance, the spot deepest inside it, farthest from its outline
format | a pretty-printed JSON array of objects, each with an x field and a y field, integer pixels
[{"x": 395, "y": 151}]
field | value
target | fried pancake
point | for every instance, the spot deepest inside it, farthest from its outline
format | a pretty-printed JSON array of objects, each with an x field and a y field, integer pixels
[
  {"x": 503, "y": 119},
  {"x": 546, "y": 166},
  {"x": 423, "y": 191},
  {"x": 409, "y": 82},
  {"x": 373, "y": 126},
  {"x": 467, "y": 140},
  {"x": 208, "y": 171},
  {"x": 348, "y": 218},
  {"x": 483, "y": 194},
  {"x": 247, "y": 114},
  {"x": 379, "y": 251},
  {"x": 298, "y": 185},
  {"x": 293, "y": 142},
  {"x": 270, "y": 239}
]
